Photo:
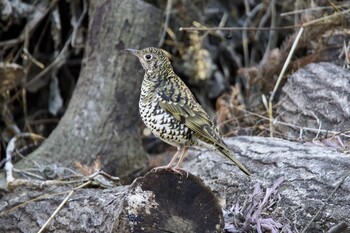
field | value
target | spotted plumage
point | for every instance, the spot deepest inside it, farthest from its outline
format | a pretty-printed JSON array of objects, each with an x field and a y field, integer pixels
[{"x": 170, "y": 110}]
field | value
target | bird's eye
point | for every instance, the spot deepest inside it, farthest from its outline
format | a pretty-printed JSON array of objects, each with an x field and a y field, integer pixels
[{"x": 148, "y": 56}]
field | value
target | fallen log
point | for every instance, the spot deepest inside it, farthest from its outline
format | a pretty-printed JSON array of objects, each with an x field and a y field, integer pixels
[{"x": 158, "y": 202}]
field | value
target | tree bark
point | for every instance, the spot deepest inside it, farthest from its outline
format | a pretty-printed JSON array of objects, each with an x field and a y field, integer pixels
[{"x": 102, "y": 118}]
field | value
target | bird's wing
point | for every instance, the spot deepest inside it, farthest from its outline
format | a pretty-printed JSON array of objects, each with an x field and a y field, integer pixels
[{"x": 176, "y": 99}]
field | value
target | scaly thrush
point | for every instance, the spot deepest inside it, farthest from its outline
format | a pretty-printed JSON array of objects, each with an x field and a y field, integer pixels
[{"x": 170, "y": 110}]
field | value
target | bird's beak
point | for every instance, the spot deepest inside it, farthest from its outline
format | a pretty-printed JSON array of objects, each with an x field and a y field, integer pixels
[{"x": 133, "y": 52}]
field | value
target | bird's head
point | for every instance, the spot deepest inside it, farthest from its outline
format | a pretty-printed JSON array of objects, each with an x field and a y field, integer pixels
[{"x": 152, "y": 59}]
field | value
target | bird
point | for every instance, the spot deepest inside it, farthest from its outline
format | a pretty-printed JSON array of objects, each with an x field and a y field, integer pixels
[{"x": 170, "y": 110}]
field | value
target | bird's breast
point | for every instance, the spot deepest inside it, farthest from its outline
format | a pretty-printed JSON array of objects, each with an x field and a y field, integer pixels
[{"x": 162, "y": 124}]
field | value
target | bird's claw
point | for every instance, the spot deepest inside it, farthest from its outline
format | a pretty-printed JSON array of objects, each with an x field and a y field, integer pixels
[
  {"x": 160, "y": 168},
  {"x": 179, "y": 171},
  {"x": 175, "y": 169}
]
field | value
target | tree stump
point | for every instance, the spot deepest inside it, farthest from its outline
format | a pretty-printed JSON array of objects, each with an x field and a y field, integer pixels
[{"x": 177, "y": 204}]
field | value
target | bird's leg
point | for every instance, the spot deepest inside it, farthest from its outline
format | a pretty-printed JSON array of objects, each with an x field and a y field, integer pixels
[
  {"x": 177, "y": 168},
  {"x": 185, "y": 149},
  {"x": 171, "y": 161}
]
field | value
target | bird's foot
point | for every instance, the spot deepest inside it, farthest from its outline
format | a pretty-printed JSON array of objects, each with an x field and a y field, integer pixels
[
  {"x": 161, "y": 168},
  {"x": 175, "y": 169},
  {"x": 179, "y": 170}
]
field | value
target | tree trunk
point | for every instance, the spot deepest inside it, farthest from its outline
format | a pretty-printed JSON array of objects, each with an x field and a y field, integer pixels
[{"x": 102, "y": 119}]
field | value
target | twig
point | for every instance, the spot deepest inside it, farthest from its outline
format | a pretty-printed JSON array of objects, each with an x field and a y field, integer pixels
[
  {"x": 307, "y": 24},
  {"x": 319, "y": 122},
  {"x": 77, "y": 24},
  {"x": 166, "y": 23},
  {"x": 57, "y": 62},
  {"x": 11, "y": 147},
  {"x": 325, "y": 203},
  {"x": 272, "y": 34},
  {"x": 246, "y": 6},
  {"x": 262, "y": 22},
  {"x": 336, "y": 133},
  {"x": 40, "y": 184},
  {"x": 325, "y": 18},
  {"x": 38, "y": 15},
  {"x": 281, "y": 76},
  {"x": 91, "y": 177},
  {"x": 245, "y": 35},
  {"x": 102, "y": 173},
  {"x": 26, "y": 54},
  {"x": 62, "y": 204},
  {"x": 41, "y": 197},
  {"x": 29, "y": 174},
  {"x": 239, "y": 28},
  {"x": 312, "y": 9}
]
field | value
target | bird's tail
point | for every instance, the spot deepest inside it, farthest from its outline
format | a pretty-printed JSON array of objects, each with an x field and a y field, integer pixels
[{"x": 228, "y": 154}]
